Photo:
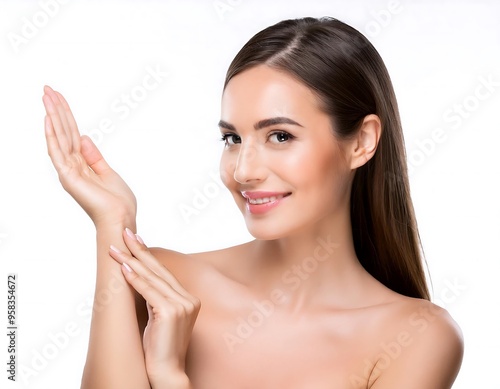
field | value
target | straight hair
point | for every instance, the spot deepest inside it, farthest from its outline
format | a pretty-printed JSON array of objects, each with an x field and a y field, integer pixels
[{"x": 345, "y": 71}]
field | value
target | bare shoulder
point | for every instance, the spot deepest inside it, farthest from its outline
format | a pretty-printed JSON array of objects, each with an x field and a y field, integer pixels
[
  {"x": 192, "y": 269},
  {"x": 183, "y": 266},
  {"x": 170, "y": 258},
  {"x": 429, "y": 343},
  {"x": 430, "y": 321},
  {"x": 215, "y": 258}
]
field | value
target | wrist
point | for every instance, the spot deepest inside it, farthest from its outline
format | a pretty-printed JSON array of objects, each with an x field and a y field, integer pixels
[
  {"x": 119, "y": 216},
  {"x": 116, "y": 223},
  {"x": 111, "y": 233}
]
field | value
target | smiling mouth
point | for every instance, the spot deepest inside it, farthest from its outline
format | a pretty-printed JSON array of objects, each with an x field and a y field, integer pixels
[
  {"x": 258, "y": 198},
  {"x": 266, "y": 200}
]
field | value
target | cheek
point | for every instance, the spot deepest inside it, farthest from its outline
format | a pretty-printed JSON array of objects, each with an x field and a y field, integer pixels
[
  {"x": 318, "y": 171},
  {"x": 226, "y": 168}
]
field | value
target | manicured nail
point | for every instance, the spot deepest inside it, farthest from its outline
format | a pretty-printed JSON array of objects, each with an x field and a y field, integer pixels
[
  {"x": 113, "y": 248},
  {"x": 127, "y": 267},
  {"x": 130, "y": 233},
  {"x": 139, "y": 239}
]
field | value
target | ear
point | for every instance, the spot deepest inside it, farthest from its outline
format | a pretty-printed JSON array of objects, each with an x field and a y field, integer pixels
[{"x": 366, "y": 141}]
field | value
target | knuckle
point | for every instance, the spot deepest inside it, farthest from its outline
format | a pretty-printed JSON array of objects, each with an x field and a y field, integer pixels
[
  {"x": 196, "y": 302},
  {"x": 171, "y": 311},
  {"x": 193, "y": 305},
  {"x": 176, "y": 311},
  {"x": 183, "y": 311},
  {"x": 140, "y": 249},
  {"x": 135, "y": 277},
  {"x": 149, "y": 278},
  {"x": 145, "y": 289}
]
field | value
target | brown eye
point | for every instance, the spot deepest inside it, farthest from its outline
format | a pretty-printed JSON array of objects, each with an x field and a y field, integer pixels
[
  {"x": 231, "y": 139},
  {"x": 280, "y": 137}
]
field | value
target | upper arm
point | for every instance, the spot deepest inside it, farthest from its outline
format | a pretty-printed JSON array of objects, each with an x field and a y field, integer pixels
[{"x": 431, "y": 360}]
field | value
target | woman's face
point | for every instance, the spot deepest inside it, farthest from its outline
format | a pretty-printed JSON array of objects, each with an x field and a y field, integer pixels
[{"x": 281, "y": 161}]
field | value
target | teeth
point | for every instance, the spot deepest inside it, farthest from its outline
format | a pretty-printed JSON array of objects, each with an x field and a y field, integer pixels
[{"x": 265, "y": 200}]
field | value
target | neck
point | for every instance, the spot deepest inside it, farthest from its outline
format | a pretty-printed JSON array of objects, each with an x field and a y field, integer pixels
[{"x": 316, "y": 264}]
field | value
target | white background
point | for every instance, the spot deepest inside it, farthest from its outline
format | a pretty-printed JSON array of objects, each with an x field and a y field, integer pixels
[{"x": 167, "y": 149}]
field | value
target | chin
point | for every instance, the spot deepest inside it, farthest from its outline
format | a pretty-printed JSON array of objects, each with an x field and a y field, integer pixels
[
  {"x": 268, "y": 230},
  {"x": 259, "y": 235}
]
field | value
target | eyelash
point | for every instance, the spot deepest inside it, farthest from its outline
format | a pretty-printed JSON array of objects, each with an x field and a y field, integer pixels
[{"x": 225, "y": 137}]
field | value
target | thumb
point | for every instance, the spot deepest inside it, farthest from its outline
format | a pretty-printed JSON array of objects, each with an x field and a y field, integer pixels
[{"x": 93, "y": 156}]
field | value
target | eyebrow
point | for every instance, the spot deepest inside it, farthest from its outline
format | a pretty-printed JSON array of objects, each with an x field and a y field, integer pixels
[{"x": 263, "y": 123}]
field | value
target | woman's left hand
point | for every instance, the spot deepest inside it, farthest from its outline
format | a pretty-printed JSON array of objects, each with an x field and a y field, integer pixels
[{"x": 172, "y": 312}]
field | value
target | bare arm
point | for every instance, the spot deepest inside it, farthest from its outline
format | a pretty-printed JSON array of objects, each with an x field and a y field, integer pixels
[
  {"x": 172, "y": 312},
  {"x": 115, "y": 356}
]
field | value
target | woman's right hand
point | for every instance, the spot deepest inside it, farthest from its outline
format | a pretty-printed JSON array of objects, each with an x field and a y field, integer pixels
[
  {"x": 82, "y": 170},
  {"x": 172, "y": 312}
]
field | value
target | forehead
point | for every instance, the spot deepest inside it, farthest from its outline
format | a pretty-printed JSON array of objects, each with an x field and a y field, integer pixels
[{"x": 261, "y": 92}]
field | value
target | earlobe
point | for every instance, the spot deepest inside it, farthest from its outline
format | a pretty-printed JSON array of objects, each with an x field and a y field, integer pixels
[{"x": 366, "y": 141}]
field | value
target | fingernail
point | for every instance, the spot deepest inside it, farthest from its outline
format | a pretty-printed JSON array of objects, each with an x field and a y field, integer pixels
[
  {"x": 113, "y": 248},
  {"x": 127, "y": 267},
  {"x": 130, "y": 233},
  {"x": 139, "y": 239}
]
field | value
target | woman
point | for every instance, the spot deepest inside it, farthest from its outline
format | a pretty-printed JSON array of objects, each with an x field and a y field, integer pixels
[{"x": 330, "y": 294}]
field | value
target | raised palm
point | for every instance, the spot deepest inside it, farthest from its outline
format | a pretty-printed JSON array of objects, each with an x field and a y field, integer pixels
[{"x": 82, "y": 170}]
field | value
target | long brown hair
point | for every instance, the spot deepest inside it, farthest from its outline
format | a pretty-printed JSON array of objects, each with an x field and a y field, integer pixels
[{"x": 348, "y": 75}]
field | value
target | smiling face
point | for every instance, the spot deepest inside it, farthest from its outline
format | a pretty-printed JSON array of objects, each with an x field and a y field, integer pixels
[{"x": 281, "y": 161}]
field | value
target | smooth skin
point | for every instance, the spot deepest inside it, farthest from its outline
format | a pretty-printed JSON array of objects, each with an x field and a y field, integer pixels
[{"x": 293, "y": 308}]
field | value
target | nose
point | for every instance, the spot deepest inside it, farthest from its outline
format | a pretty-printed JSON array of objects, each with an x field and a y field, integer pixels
[{"x": 249, "y": 165}]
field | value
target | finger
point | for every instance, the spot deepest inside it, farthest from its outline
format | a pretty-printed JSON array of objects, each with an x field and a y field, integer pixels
[
  {"x": 189, "y": 302},
  {"x": 93, "y": 156},
  {"x": 72, "y": 126},
  {"x": 52, "y": 111},
  {"x": 61, "y": 111},
  {"x": 159, "y": 302},
  {"x": 149, "y": 292},
  {"x": 141, "y": 252},
  {"x": 53, "y": 147},
  {"x": 64, "y": 119},
  {"x": 147, "y": 277},
  {"x": 158, "y": 305}
]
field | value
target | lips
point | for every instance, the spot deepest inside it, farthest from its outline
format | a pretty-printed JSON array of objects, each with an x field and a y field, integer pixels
[
  {"x": 261, "y": 195},
  {"x": 265, "y": 200},
  {"x": 261, "y": 202}
]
